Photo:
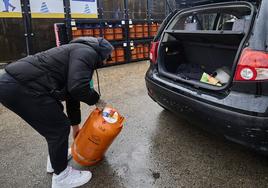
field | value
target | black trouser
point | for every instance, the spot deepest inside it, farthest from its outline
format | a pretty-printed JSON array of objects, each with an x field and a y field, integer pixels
[{"x": 43, "y": 113}]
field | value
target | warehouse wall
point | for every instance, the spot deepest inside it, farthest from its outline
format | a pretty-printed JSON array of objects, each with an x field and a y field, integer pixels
[
  {"x": 12, "y": 42},
  {"x": 44, "y": 36}
]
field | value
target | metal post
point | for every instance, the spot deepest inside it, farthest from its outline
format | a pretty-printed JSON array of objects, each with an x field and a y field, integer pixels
[
  {"x": 168, "y": 8},
  {"x": 149, "y": 15},
  {"x": 126, "y": 18},
  {"x": 100, "y": 9},
  {"x": 100, "y": 17},
  {"x": 149, "y": 11},
  {"x": 27, "y": 22},
  {"x": 67, "y": 19}
]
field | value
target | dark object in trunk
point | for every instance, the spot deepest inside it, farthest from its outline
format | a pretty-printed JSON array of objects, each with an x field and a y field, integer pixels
[
  {"x": 208, "y": 51},
  {"x": 190, "y": 71}
]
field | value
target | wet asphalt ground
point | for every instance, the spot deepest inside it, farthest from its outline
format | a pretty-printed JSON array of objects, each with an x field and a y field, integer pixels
[{"x": 154, "y": 149}]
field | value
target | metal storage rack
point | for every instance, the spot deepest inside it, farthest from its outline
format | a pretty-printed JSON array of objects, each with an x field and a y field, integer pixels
[{"x": 131, "y": 38}]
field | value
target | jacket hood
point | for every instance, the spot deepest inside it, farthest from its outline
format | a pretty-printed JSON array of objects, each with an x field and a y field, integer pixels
[{"x": 100, "y": 45}]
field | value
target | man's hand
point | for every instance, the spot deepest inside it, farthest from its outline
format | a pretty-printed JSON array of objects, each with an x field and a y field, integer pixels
[
  {"x": 101, "y": 104},
  {"x": 76, "y": 130}
]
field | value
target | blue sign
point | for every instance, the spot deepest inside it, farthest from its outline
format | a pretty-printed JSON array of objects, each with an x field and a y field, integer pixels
[{"x": 44, "y": 8}]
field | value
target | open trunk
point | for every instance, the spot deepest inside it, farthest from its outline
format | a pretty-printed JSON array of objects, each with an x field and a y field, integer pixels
[{"x": 200, "y": 47}]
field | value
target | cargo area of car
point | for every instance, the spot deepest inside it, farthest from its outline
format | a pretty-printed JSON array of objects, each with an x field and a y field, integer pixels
[{"x": 195, "y": 53}]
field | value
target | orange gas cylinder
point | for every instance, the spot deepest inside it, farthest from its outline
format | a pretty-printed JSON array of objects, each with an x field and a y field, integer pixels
[{"x": 95, "y": 137}]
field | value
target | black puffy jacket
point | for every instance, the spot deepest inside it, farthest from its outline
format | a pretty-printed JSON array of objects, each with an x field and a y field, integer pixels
[{"x": 64, "y": 72}]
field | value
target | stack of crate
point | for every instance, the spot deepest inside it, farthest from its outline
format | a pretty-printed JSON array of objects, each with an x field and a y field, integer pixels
[
  {"x": 118, "y": 55},
  {"x": 118, "y": 32},
  {"x": 110, "y": 32},
  {"x": 140, "y": 52},
  {"x": 138, "y": 31},
  {"x": 145, "y": 30},
  {"x": 85, "y": 30},
  {"x": 133, "y": 54},
  {"x": 153, "y": 29},
  {"x": 88, "y": 32},
  {"x": 131, "y": 31},
  {"x": 146, "y": 50},
  {"x": 113, "y": 58},
  {"x": 97, "y": 31},
  {"x": 77, "y": 33},
  {"x": 139, "y": 36},
  {"x": 113, "y": 32}
]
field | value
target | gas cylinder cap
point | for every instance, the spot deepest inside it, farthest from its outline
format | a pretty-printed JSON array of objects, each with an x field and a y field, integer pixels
[{"x": 110, "y": 115}]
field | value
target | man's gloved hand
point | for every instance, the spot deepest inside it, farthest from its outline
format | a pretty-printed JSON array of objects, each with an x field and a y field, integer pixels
[{"x": 101, "y": 104}]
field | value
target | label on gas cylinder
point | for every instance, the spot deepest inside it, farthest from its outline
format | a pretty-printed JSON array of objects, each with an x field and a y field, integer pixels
[{"x": 110, "y": 115}]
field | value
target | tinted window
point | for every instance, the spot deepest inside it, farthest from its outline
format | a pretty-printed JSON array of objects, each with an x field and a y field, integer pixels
[
  {"x": 212, "y": 19},
  {"x": 196, "y": 22}
]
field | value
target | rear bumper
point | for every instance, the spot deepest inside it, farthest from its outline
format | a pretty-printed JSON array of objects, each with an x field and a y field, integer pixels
[{"x": 242, "y": 128}]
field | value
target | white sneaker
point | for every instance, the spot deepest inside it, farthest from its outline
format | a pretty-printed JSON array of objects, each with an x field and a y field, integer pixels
[
  {"x": 70, "y": 178},
  {"x": 49, "y": 166},
  {"x": 50, "y": 170}
]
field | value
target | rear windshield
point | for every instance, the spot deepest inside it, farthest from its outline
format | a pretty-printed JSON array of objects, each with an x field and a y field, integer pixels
[{"x": 230, "y": 18}]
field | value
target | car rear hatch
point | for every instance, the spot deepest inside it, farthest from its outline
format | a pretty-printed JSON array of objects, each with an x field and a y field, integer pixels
[{"x": 201, "y": 46}]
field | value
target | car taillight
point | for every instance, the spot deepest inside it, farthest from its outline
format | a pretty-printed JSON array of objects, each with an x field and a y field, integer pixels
[
  {"x": 153, "y": 51},
  {"x": 252, "y": 66}
]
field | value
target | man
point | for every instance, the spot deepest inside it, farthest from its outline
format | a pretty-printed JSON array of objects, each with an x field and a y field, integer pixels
[
  {"x": 33, "y": 88},
  {"x": 7, "y": 5}
]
